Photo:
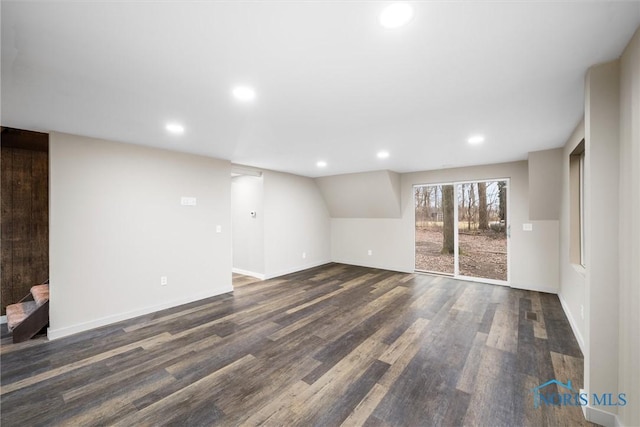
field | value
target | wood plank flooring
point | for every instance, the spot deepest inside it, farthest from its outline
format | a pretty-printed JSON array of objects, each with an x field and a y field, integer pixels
[{"x": 334, "y": 345}]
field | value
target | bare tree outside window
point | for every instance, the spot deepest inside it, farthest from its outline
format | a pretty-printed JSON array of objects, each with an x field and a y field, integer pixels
[
  {"x": 483, "y": 221},
  {"x": 480, "y": 230},
  {"x": 448, "y": 231}
]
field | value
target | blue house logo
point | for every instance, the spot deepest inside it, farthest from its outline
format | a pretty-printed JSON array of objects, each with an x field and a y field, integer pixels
[
  {"x": 554, "y": 399},
  {"x": 567, "y": 396}
]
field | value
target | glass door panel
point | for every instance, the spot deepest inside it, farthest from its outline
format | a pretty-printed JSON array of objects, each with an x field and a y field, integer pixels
[
  {"x": 434, "y": 228},
  {"x": 482, "y": 229}
]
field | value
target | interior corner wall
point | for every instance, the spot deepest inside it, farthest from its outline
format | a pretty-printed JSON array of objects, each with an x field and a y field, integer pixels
[
  {"x": 247, "y": 230},
  {"x": 572, "y": 277},
  {"x": 629, "y": 235},
  {"x": 117, "y": 225},
  {"x": 609, "y": 287},
  {"x": 297, "y": 228},
  {"x": 601, "y": 188},
  {"x": 534, "y": 255},
  {"x": 545, "y": 193},
  {"x": 373, "y": 194}
]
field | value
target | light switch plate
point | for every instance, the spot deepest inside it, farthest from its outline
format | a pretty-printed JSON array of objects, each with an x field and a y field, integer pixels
[{"x": 218, "y": 229}]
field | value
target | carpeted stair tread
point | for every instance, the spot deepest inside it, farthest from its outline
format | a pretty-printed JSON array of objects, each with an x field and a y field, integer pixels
[
  {"x": 40, "y": 293},
  {"x": 16, "y": 313}
]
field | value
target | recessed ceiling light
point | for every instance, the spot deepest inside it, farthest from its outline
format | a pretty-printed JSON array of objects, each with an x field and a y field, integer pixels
[
  {"x": 244, "y": 93},
  {"x": 175, "y": 128},
  {"x": 321, "y": 164},
  {"x": 396, "y": 15},
  {"x": 383, "y": 154},
  {"x": 476, "y": 139}
]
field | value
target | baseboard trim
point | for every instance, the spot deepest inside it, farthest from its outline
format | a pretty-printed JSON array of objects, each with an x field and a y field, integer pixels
[
  {"x": 3, "y": 320},
  {"x": 295, "y": 269},
  {"x": 248, "y": 273},
  {"x": 598, "y": 416},
  {"x": 572, "y": 322},
  {"x": 545, "y": 289},
  {"x": 54, "y": 334},
  {"x": 378, "y": 267}
]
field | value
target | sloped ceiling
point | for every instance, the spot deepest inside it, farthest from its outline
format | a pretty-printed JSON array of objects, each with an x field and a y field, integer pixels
[{"x": 363, "y": 195}]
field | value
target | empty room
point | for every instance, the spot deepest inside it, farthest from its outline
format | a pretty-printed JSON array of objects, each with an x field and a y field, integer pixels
[{"x": 320, "y": 213}]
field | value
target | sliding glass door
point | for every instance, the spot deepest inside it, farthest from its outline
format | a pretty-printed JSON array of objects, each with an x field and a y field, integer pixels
[
  {"x": 431, "y": 212},
  {"x": 482, "y": 230},
  {"x": 461, "y": 230}
]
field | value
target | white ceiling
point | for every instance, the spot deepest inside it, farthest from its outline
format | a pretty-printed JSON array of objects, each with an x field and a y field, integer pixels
[{"x": 331, "y": 83}]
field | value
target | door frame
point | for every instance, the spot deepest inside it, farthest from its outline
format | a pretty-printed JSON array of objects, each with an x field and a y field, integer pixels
[{"x": 456, "y": 254}]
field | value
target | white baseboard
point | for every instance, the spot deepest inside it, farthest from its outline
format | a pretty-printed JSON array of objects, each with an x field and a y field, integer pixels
[
  {"x": 248, "y": 273},
  {"x": 572, "y": 322},
  {"x": 295, "y": 269},
  {"x": 54, "y": 334},
  {"x": 545, "y": 289},
  {"x": 3, "y": 320},
  {"x": 600, "y": 417},
  {"x": 371, "y": 265}
]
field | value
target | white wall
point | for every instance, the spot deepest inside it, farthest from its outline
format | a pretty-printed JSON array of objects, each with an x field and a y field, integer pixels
[
  {"x": 248, "y": 232},
  {"x": 545, "y": 195},
  {"x": 602, "y": 124},
  {"x": 362, "y": 195},
  {"x": 572, "y": 277},
  {"x": 534, "y": 255},
  {"x": 117, "y": 225},
  {"x": 629, "y": 215},
  {"x": 296, "y": 221},
  {"x": 609, "y": 287},
  {"x": 352, "y": 238}
]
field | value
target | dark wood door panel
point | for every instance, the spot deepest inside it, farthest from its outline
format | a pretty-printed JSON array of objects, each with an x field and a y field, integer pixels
[{"x": 24, "y": 221}]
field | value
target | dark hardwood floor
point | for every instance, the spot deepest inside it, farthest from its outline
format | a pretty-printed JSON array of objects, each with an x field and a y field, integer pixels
[{"x": 334, "y": 345}]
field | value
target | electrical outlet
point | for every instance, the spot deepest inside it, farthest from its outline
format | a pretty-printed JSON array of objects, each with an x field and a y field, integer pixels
[
  {"x": 163, "y": 280},
  {"x": 369, "y": 252},
  {"x": 304, "y": 255},
  {"x": 188, "y": 201}
]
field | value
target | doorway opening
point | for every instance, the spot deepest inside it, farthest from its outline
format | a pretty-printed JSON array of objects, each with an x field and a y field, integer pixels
[
  {"x": 462, "y": 230},
  {"x": 24, "y": 166}
]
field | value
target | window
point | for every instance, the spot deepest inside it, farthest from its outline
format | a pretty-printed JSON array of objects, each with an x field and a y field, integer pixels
[{"x": 576, "y": 211}]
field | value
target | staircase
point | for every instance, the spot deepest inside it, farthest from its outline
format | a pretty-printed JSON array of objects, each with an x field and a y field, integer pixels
[{"x": 27, "y": 317}]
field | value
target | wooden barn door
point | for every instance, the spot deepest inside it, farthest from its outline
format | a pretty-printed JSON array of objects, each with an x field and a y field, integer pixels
[{"x": 24, "y": 165}]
